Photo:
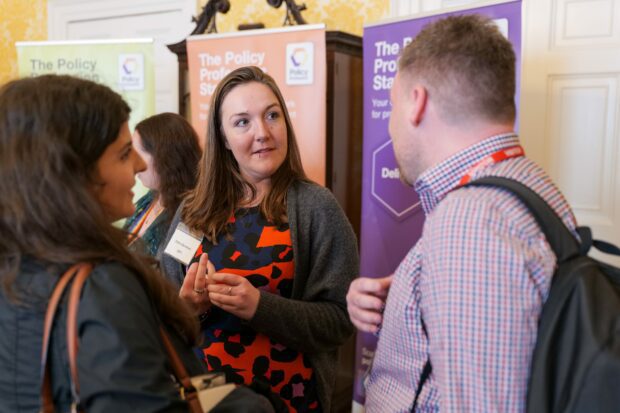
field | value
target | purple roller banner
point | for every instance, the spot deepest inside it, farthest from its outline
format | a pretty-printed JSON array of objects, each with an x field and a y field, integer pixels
[{"x": 392, "y": 218}]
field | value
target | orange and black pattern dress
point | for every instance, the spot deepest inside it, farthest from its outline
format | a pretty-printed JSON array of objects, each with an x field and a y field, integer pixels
[{"x": 262, "y": 253}]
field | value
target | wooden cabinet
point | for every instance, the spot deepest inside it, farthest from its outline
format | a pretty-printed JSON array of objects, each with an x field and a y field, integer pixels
[
  {"x": 344, "y": 122},
  {"x": 344, "y": 164}
]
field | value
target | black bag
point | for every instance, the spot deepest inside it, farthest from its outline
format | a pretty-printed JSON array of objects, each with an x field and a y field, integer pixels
[{"x": 576, "y": 361}]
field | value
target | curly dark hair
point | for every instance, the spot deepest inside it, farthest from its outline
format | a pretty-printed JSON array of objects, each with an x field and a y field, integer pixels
[{"x": 53, "y": 129}]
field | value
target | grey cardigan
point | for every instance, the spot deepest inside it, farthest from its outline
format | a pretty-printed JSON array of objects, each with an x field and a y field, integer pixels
[{"x": 315, "y": 319}]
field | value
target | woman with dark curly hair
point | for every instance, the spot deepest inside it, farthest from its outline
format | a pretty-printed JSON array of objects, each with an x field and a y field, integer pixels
[
  {"x": 67, "y": 169},
  {"x": 169, "y": 146}
]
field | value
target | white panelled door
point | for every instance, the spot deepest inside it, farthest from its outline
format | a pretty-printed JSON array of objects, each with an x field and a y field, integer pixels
[
  {"x": 402, "y": 8},
  {"x": 570, "y": 100},
  {"x": 570, "y": 105},
  {"x": 166, "y": 21}
]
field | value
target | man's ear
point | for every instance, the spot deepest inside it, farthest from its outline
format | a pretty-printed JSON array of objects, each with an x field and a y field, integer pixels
[{"x": 419, "y": 100}]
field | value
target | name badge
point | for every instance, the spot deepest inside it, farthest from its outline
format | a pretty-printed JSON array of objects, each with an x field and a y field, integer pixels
[{"x": 183, "y": 244}]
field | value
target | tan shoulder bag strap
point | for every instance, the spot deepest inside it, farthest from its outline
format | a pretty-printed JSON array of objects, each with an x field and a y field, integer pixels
[
  {"x": 82, "y": 271},
  {"x": 180, "y": 372}
]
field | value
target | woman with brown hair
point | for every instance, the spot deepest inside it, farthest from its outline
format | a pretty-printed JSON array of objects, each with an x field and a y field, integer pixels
[
  {"x": 169, "y": 146},
  {"x": 281, "y": 253},
  {"x": 67, "y": 167}
]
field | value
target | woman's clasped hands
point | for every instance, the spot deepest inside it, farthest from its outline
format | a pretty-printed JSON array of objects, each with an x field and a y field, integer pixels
[{"x": 204, "y": 287}]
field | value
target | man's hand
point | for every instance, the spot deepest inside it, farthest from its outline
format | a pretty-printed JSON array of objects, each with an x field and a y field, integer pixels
[{"x": 366, "y": 300}]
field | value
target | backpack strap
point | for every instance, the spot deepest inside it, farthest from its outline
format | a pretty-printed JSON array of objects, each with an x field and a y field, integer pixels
[
  {"x": 424, "y": 376},
  {"x": 606, "y": 247},
  {"x": 585, "y": 235},
  {"x": 561, "y": 240},
  {"x": 426, "y": 373}
]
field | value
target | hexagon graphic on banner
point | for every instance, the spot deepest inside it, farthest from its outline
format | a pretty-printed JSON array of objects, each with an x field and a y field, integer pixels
[{"x": 386, "y": 187}]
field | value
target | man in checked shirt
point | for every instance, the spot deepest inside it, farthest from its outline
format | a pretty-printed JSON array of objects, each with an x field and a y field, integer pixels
[{"x": 466, "y": 300}]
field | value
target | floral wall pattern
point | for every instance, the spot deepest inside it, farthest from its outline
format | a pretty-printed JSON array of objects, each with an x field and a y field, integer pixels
[
  {"x": 19, "y": 20},
  {"x": 344, "y": 15},
  {"x": 27, "y": 20}
]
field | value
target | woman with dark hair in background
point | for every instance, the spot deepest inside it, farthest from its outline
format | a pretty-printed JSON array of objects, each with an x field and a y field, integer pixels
[
  {"x": 169, "y": 146},
  {"x": 281, "y": 253},
  {"x": 67, "y": 168}
]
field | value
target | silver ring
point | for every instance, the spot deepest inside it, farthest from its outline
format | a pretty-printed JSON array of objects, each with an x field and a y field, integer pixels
[
  {"x": 201, "y": 291},
  {"x": 229, "y": 291}
]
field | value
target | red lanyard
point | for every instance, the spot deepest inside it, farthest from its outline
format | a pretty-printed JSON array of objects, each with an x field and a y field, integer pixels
[
  {"x": 499, "y": 156},
  {"x": 136, "y": 229}
]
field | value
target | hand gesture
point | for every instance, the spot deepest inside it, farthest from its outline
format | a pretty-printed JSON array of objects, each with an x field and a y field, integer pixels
[
  {"x": 234, "y": 294},
  {"x": 194, "y": 288},
  {"x": 366, "y": 300}
]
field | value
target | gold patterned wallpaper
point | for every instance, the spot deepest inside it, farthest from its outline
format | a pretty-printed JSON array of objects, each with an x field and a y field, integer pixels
[
  {"x": 27, "y": 20},
  {"x": 345, "y": 15},
  {"x": 19, "y": 20}
]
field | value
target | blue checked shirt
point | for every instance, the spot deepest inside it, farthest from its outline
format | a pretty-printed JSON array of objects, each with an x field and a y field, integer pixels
[{"x": 478, "y": 276}]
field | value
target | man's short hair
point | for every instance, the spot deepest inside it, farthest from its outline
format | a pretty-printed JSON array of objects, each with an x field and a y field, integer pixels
[{"x": 468, "y": 67}]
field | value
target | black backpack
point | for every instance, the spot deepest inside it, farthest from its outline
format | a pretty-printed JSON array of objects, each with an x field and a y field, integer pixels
[{"x": 576, "y": 361}]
